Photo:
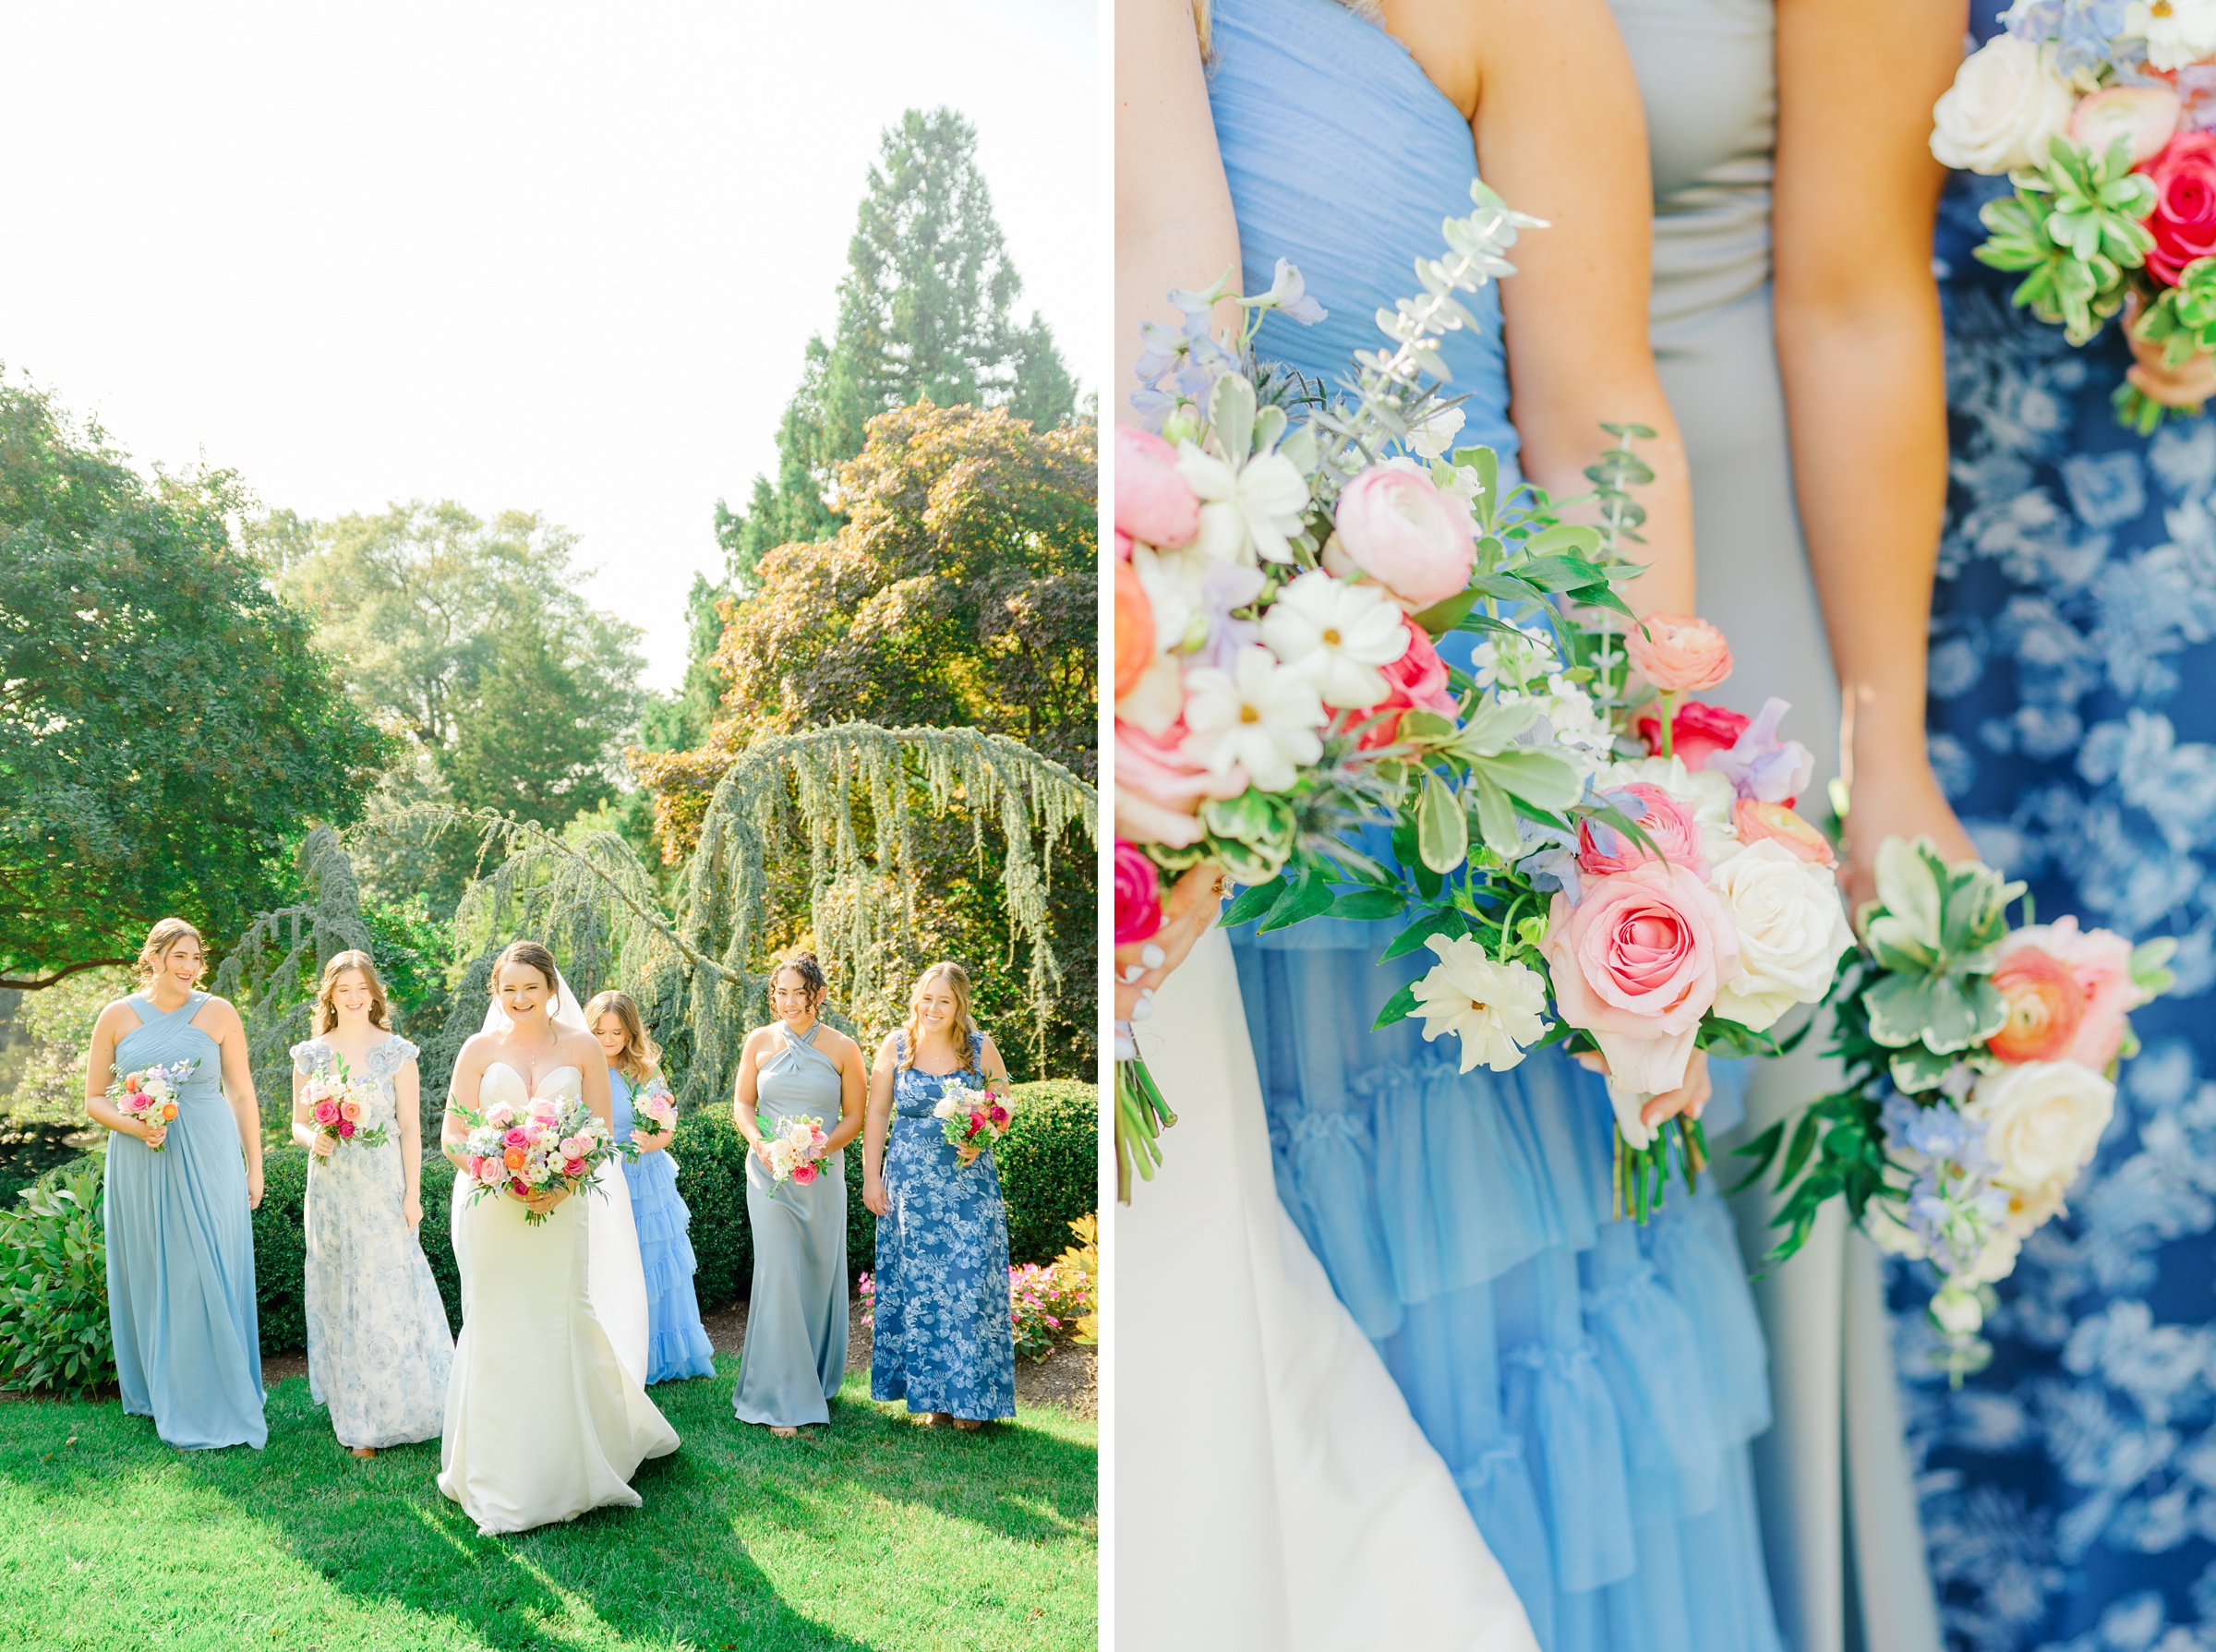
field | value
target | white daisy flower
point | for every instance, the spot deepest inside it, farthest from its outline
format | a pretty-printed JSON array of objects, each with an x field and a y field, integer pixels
[
  {"x": 1255, "y": 507},
  {"x": 1336, "y": 636},
  {"x": 1259, "y": 717}
]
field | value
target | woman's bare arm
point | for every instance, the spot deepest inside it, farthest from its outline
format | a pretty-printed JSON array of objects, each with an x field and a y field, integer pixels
[
  {"x": 1860, "y": 350},
  {"x": 853, "y": 1094}
]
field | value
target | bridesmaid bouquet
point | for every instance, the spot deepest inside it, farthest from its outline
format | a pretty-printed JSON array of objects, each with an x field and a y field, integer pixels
[
  {"x": 793, "y": 1149},
  {"x": 2103, "y": 117},
  {"x": 149, "y": 1096},
  {"x": 654, "y": 1111},
  {"x": 1979, "y": 1076},
  {"x": 336, "y": 1104},
  {"x": 540, "y": 1147},
  {"x": 971, "y": 1117}
]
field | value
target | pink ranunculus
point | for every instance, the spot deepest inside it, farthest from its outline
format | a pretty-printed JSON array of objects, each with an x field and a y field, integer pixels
[
  {"x": 2099, "y": 961},
  {"x": 1754, "y": 821},
  {"x": 1603, "y": 851},
  {"x": 2144, "y": 117},
  {"x": 1134, "y": 629},
  {"x": 1636, "y": 963},
  {"x": 2184, "y": 223},
  {"x": 346, "y": 1129},
  {"x": 1678, "y": 654},
  {"x": 804, "y": 1172},
  {"x": 1159, "y": 788},
  {"x": 1397, "y": 526},
  {"x": 351, "y": 1109},
  {"x": 1138, "y": 894},
  {"x": 1153, "y": 503},
  {"x": 1418, "y": 679},
  {"x": 2046, "y": 1008},
  {"x": 1697, "y": 733},
  {"x": 327, "y": 1112}
]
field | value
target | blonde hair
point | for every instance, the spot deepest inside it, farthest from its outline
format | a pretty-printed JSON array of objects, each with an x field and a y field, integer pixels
[
  {"x": 956, "y": 977},
  {"x": 161, "y": 941},
  {"x": 640, "y": 1055},
  {"x": 326, "y": 1014}
]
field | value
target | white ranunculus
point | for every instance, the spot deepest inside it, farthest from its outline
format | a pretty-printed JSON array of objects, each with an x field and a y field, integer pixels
[
  {"x": 1494, "y": 1009},
  {"x": 2177, "y": 32},
  {"x": 1249, "y": 509},
  {"x": 2007, "y": 100},
  {"x": 1335, "y": 635},
  {"x": 2042, "y": 1120},
  {"x": 1792, "y": 928},
  {"x": 1259, "y": 717}
]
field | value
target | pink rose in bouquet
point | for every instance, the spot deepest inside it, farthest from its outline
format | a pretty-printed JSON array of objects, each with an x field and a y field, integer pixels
[
  {"x": 1418, "y": 679},
  {"x": 1153, "y": 504},
  {"x": 327, "y": 1112},
  {"x": 1677, "y": 653},
  {"x": 1697, "y": 732},
  {"x": 2184, "y": 225},
  {"x": 1602, "y": 850},
  {"x": 1138, "y": 894},
  {"x": 1397, "y": 526},
  {"x": 1636, "y": 963},
  {"x": 655, "y": 1112}
]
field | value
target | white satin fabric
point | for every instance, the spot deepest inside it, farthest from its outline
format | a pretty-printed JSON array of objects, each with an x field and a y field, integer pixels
[
  {"x": 543, "y": 1419},
  {"x": 1271, "y": 1490}
]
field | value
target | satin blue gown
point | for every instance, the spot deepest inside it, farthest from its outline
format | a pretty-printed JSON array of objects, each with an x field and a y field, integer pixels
[
  {"x": 677, "y": 1345},
  {"x": 1591, "y": 1385},
  {"x": 2070, "y": 1488},
  {"x": 942, "y": 1338},
  {"x": 181, "y": 1250}
]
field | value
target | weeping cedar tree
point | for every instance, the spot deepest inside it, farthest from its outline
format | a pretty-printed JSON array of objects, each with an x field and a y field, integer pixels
[
  {"x": 924, "y": 316},
  {"x": 166, "y": 728}
]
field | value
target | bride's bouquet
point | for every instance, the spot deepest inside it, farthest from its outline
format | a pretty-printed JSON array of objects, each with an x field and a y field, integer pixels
[
  {"x": 792, "y": 1149},
  {"x": 540, "y": 1147},
  {"x": 336, "y": 1103},
  {"x": 2103, "y": 117},
  {"x": 149, "y": 1096},
  {"x": 1571, "y": 832},
  {"x": 972, "y": 1116},
  {"x": 1980, "y": 1067}
]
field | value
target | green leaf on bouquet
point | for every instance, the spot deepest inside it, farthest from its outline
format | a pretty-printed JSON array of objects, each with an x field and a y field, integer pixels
[
  {"x": 2150, "y": 965},
  {"x": 1420, "y": 727},
  {"x": 1561, "y": 572},
  {"x": 1444, "y": 921},
  {"x": 1398, "y": 1007},
  {"x": 1253, "y": 900},
  {"x": 1442, "y": 836},
  {"x": 1496, "y": 815},
  {"x": 1367, "y": 905},
  {"x": 1495, "y": 725},
  {"x": 1602, "y": 596},
  {"x": 1761, "y": 1150},
  {"x": 1442, "y": 617},
  {"x": 1542, "y": 778},
  {"x": 1427, "y": 882},
  {"x": 1803, "y": 1143},
  {"x": 1310, "y": 898},
  {"x": 1567, "y": 539},
  {"x": 1231, "y": 418},
  {"x": 1487, "y": 464},
  {"x": 1946, "y": 1012},
  {"x": 1506, "y": 588},
  {"x": 1269, "y": 428},
  {"x": 1919, "y": 1068}
]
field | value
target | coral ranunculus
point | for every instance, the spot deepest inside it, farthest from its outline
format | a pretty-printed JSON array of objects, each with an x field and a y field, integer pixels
[
  {"x": 2099, "y": 961},
  {"x": 1154, "y": 504},
  {"x": 1677, "y": 653},
  {"x": 1756, "y": 822},
  {"x": 1695, "y": 733},
  {"x": 1137, "y": 895},
  {"x": 1134, "y": 629},
  {"x": 2184, "y": 223},
  {"x": 1417, "y": 678},
  {"x": 2046, "y": 1006},
  {"x": 1669, "y": 824}
]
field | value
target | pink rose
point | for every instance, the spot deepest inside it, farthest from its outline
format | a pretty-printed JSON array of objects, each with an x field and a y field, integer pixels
[
  {"x": 1603, "y": 851},
  {"x": 1636, "y": 963},
  {"x": 1418, "y": 679},
  {"x": 345, "y": 1129},
  {"x": 1396, "y": 525},
  {"x": 1137, "y": 895},
  {"x": 1000, "y": 1115},
  {"x": 1159, "y": 788},
  {"x": 1755, "y": 821},
  {"x": 2184, "y": 223},
  {"x": 518, "y": 1137},
  {"x": 519, "y": 1187},
  {"x": 543, "y": 1109},
  {"x": 803, "y": 1173},
  {"x": 1153, "y": 503},
  {"x": 2144, "y": 117},
  {"x": 327, "y": 1112},
  {"x": 1123, "y": 545},
  {"x": 1679, "y": 654},
  {"x": 499, "y": 1112},
  {"x": 2099, "y": 961},
  {"x": 1697, "y": 733},
  {"x": 574, "y": 1167},
  {"x": 1134, "y": 629}
]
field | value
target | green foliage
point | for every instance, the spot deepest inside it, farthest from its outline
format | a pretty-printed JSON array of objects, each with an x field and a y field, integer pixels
[
  {"x": 281, "y": 1250},
  {"x": 923, "y": 315},
  {"x": 1049, "y": 1165},
  {"x": 711, "y": 1179},
  {"x": 2181, "y": 319},
  {"x": 54, "y": 1285},
  {"x": 2074, "y": 227},
  {"x": 166, "y": 729}
]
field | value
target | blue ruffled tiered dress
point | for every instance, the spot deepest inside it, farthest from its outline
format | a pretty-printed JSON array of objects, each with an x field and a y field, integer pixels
[
  {"x": 676, "y": 1345},
  {"x": 1591, "y": 1385}
]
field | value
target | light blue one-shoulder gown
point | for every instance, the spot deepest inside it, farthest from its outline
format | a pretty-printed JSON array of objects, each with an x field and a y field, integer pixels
[
  {"x": 676, "y": 1344},
  {"x": 1591, "y": 1385},
  {"x": 181, "y": 1250}
]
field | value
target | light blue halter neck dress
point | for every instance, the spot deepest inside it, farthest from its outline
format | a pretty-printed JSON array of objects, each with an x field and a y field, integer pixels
[
  {"x": 1591, "y": 1385},
  {"x": 181, "y": 1250}
]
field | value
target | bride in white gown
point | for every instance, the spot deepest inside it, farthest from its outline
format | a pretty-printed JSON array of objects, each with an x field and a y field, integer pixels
[{"x": 545, "y": 1419}]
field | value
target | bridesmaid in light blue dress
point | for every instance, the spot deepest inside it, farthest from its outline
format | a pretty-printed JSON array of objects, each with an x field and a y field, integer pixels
[
  {"x": 1592, "y": 1385},
  {"x": 379, "y": 1350},
  {"x": 795, "y": 1355},
  {"x": 176, "y": 1205},
  {"x": 676, "y": 1344},
  {"x": 944, "y": 1340}
]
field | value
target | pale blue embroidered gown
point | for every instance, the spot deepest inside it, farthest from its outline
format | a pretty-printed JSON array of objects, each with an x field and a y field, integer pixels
[
  {"x": 380, "y": 1351},
  {"x": 795, "y": 1355},
  {"x": 1591, "y": 1386},
  {"x": 942, "y": 1340},
  {"x": 181, "y": 1250},
  {"x": 676, "y": 1344}
]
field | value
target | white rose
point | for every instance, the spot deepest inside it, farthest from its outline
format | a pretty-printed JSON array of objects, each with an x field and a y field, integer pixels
[
  {"x": 2177, "y": 33},
  {"x": 2042, "y": 1120},
  {"x": 2007, "y": 101},
  {"x": 945, "y": 1107},
  {"x": 1791, "y": 930}
]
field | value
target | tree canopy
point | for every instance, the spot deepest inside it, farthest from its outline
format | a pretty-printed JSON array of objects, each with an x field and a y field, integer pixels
[{"x": 167, "y": 728}]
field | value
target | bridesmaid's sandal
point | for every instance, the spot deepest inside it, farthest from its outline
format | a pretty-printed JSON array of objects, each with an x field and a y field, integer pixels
[
  {"x": 782, "y": 1432},
  {"x": 969, "y": 1425},
  {"x": 364, "y": 1452}
]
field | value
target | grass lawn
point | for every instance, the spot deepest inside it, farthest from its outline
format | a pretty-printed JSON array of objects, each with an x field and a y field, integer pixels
[{"x": 872, "y": 1533}]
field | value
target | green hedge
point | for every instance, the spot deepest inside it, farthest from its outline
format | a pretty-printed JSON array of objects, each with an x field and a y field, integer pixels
[
  {"x": 54, "y": 1285},
  {"x": 1049, "y": 1165}
]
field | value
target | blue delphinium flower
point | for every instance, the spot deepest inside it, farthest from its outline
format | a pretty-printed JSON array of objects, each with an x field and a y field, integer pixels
[{"x": 2085, "y": 32}]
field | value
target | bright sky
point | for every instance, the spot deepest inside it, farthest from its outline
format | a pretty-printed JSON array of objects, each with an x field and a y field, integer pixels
[{"x": 559, "y": 257}]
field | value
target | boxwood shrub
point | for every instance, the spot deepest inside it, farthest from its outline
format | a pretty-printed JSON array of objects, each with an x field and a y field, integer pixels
[{"x": 54, "y": 1284}]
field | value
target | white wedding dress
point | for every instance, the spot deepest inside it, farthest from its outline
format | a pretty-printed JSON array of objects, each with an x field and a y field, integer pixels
[
  {"x": 1271, "y": 1489},
  {"x": 544, "y": 1420}
]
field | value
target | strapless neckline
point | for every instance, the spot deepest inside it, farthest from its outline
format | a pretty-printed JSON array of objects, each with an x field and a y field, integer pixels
[{"x": 523, "y": 1079}]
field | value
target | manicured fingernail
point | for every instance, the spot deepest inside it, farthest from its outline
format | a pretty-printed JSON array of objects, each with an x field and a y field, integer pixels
[
  {"x": 1144, "y": 1009},
  {"x": 1132, "y": 973},
  {"x": 1152, "y": 956}
]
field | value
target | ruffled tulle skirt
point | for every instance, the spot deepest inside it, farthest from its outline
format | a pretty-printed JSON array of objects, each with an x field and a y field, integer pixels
[
  {"x": 677, "y": 1345},
  {"x": 1590, "y": 1384}
]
